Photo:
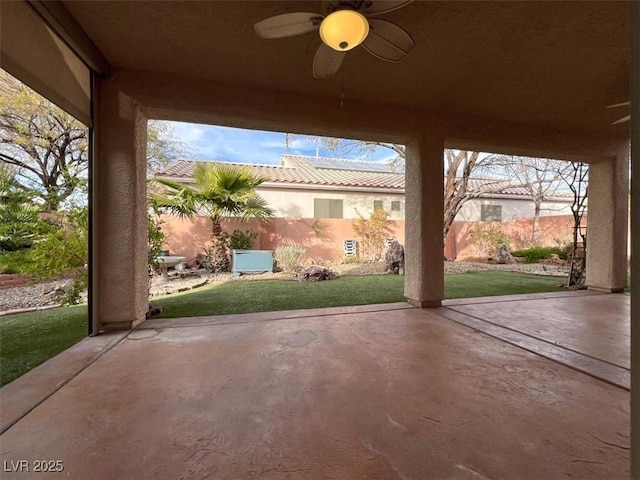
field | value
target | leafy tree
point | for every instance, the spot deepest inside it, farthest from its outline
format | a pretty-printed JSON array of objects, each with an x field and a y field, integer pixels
[
  {"x": 48, "y": 147},
  {"x": 64, "y": 251},
  {"x": 219, "y": 191},
  {"x": 19, "y": 222}
]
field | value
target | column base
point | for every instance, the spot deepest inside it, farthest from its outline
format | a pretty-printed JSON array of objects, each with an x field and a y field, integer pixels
[
  {"x": 605, "y": 289},
  {"x": 116, "y": 326},
  {"x": 425, "y": 303}
]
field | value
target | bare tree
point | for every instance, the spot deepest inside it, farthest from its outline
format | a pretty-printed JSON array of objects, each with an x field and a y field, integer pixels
[
  {"x": 540, "y": 177},
  {"x": 48, "y": 147},
  {"x": 577, "y": 177},
  {"x": 460, "y": 167}
]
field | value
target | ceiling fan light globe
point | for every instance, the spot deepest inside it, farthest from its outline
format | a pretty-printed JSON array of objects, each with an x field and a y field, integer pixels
[{"x": 344, "y": 30}]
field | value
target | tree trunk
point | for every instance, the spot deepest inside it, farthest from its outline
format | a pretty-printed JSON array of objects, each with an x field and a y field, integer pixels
[
  {"x": 219, "y": 261},
  {"x": 536, "y": 222}
]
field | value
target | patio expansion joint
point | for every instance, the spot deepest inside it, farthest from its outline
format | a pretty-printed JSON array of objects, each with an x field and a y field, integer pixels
[
  {"x": 238, "y": 319},
  {"x": 597, "y": 368}
]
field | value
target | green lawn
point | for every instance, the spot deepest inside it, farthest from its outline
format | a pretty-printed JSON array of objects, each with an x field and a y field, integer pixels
[{"x": 28, "y": 339}]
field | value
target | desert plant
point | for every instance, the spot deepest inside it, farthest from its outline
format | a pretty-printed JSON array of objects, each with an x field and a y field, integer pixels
[
  {"x": 242, "y": 239},
  {"x": 350, "y": 260},
  {"x": 487, "y": 237},
  {"x": 372, "y": 232},
  {"x": 533, "y": 254},
  {"x": 156, "y": 240},
  {"x": 290, "y": 257}
]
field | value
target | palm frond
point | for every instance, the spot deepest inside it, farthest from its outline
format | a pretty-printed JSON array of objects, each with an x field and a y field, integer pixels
[{"x": 218, "y": 191}]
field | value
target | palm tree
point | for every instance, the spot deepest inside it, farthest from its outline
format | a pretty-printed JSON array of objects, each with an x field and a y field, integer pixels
[{"x": 219, "y": 191}]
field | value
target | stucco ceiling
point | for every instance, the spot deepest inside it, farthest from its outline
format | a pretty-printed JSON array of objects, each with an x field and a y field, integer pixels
[{"x": 549, "y": 64}]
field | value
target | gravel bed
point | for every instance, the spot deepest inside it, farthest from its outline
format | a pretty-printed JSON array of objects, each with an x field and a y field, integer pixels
[
  {"x": 40, "y": 295},
  {"x": 31, "y": 296}
]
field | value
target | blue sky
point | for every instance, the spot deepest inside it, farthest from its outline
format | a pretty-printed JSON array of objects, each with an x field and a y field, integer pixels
[{"x": 251, "y": 146}]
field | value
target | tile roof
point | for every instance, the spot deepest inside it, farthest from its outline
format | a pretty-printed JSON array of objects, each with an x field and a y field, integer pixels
[{"x": 297, "y": 170}]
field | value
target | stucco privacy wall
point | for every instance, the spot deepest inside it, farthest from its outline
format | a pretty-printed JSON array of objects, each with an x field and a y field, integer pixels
[
  {"x": 554, "y": 230},
  {"x": 323, "y": 238}
]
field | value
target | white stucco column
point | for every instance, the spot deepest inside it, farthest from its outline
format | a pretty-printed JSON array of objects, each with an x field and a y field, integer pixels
[
  {"x": 424, "y": 211},
  {"x": 607, "y": 223},
  {"x": 120, "y": 206}
]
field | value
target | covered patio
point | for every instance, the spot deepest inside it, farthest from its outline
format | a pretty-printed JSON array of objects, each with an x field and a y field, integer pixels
[
  {"x": 379, "y": 391},
  {"x": 417, "y": 390}
]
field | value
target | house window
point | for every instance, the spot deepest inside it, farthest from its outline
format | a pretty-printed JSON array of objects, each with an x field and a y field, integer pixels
[
  {"x": 327, "y": 208},
  {"x": 378, "y": 205},
  {"x": 395, "y": 206},
  {"x": 491, "y": 213}
]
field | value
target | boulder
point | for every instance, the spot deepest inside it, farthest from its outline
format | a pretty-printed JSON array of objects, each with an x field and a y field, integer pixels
[
  {"x": 315, "y": 274},
  {"x": 394, "y": 258},
  {"x": 504, "y": 255}
]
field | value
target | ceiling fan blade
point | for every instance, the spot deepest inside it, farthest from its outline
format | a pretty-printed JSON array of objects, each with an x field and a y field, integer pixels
[
  {"x": 623, "y": 104},
  {"x": 288, "y": 25},
  {"x": 378, "y": 7},
  {"x": 387, "y": 41},
  {"x": 622, "y": 120},
  {"x": 327, "y": 61}
]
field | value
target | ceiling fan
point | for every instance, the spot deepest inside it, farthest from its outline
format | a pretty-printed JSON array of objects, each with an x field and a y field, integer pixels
[
  {"x": 623, "y": 119},
  {"x": 344, "y": 25}
]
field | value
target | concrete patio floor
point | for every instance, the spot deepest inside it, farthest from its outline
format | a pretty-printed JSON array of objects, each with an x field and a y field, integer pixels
[{"x": 473, "y": 390}]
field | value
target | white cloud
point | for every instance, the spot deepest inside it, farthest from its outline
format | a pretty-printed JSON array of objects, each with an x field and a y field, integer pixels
[{"x": 246, "y": 146}]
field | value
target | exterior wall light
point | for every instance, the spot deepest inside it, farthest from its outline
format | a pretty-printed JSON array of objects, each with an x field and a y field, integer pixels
[{"x": 344, "y": 30}]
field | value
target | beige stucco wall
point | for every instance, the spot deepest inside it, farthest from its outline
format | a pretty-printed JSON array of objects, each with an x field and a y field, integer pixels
[
  {"x": 511, "y": 208},
  {"x": 298, "y": 202}
]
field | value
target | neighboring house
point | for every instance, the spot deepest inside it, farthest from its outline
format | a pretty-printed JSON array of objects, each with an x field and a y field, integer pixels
[
  {"x": 503, "y": 203},
  {"x": 313, "y": 187},
  {"x": 335, "y": 191},
  {"x": 310, "y": 187}
]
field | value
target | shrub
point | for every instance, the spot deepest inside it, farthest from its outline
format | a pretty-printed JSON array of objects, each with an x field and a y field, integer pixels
[
  {"x": 487, "y": 237},
  {"x": 63, "y": 252},
  {"x": 351, "y": 259},
  {"x": 242, "y": 239},
  {"x": 15, "y": 262},
  {"x": 156, "y": 239},
  {"x": 533, "y": 254},
  {"x": 372, "y": 231},
  {"x": 290, "y": 257}
]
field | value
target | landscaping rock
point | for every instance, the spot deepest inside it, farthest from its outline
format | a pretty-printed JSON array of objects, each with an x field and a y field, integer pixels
[
  {"x": 315, "y": 274},
  {"x": 504, "y": 255},
  {"x": 394, "y": 258}
]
